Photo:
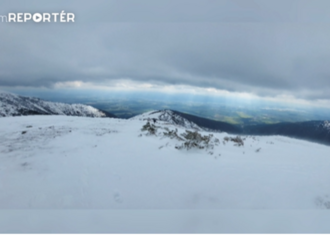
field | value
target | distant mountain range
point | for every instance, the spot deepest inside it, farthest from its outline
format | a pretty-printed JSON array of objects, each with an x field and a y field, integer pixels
[
  {"x": 14, "y": 105},
  {"x": 316, "y": 131}
]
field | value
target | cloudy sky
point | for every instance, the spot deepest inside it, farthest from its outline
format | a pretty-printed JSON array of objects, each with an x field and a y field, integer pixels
[{"x": 278, "y": 49}]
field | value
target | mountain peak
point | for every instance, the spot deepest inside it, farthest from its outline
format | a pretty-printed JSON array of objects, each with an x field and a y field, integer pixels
[
  {"x": 169, "y": 116},
  {"x": 15, "y": 105}
]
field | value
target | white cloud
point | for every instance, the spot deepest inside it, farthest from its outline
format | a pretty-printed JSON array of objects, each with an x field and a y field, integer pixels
[{"x": 131, "y": 85}]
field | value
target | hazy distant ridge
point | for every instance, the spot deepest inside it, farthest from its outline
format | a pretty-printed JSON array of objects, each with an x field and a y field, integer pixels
[
  {"x": 14, "y": 105},
  {"x": 317, "y": 131}
]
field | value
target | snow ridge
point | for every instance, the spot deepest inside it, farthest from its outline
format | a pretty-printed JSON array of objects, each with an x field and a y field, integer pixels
[
  {"x": 169, "y": 117},
  {"x": 14, "y": 105}
]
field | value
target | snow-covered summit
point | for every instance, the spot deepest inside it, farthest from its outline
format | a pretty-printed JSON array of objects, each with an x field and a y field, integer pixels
[
  {"x": 15, "y": 105},
  {"x": 167, "y": 116}
]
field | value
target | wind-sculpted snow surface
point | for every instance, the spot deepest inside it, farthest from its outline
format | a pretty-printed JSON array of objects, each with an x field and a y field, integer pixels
[
  {"x": 95, "y": 164},
  {"x": 14, "y": 105},
  {"x": 60, "y": 162}
]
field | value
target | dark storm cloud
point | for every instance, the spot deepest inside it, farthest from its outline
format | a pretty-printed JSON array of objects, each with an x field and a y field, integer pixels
[{"x": 246, "y": 46}]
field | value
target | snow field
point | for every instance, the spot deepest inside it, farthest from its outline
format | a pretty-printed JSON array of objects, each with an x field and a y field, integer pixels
[{"x": 65, "y": 162}]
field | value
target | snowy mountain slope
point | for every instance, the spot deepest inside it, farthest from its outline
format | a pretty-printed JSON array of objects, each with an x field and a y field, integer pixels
[
  {"x": 169, "y": 117},
  {"x": 14, "y": 105},
  {"x": 61, "y": 162},
  {"x": 316, "y": 131},
  {"x": 210, "y": 125}
]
